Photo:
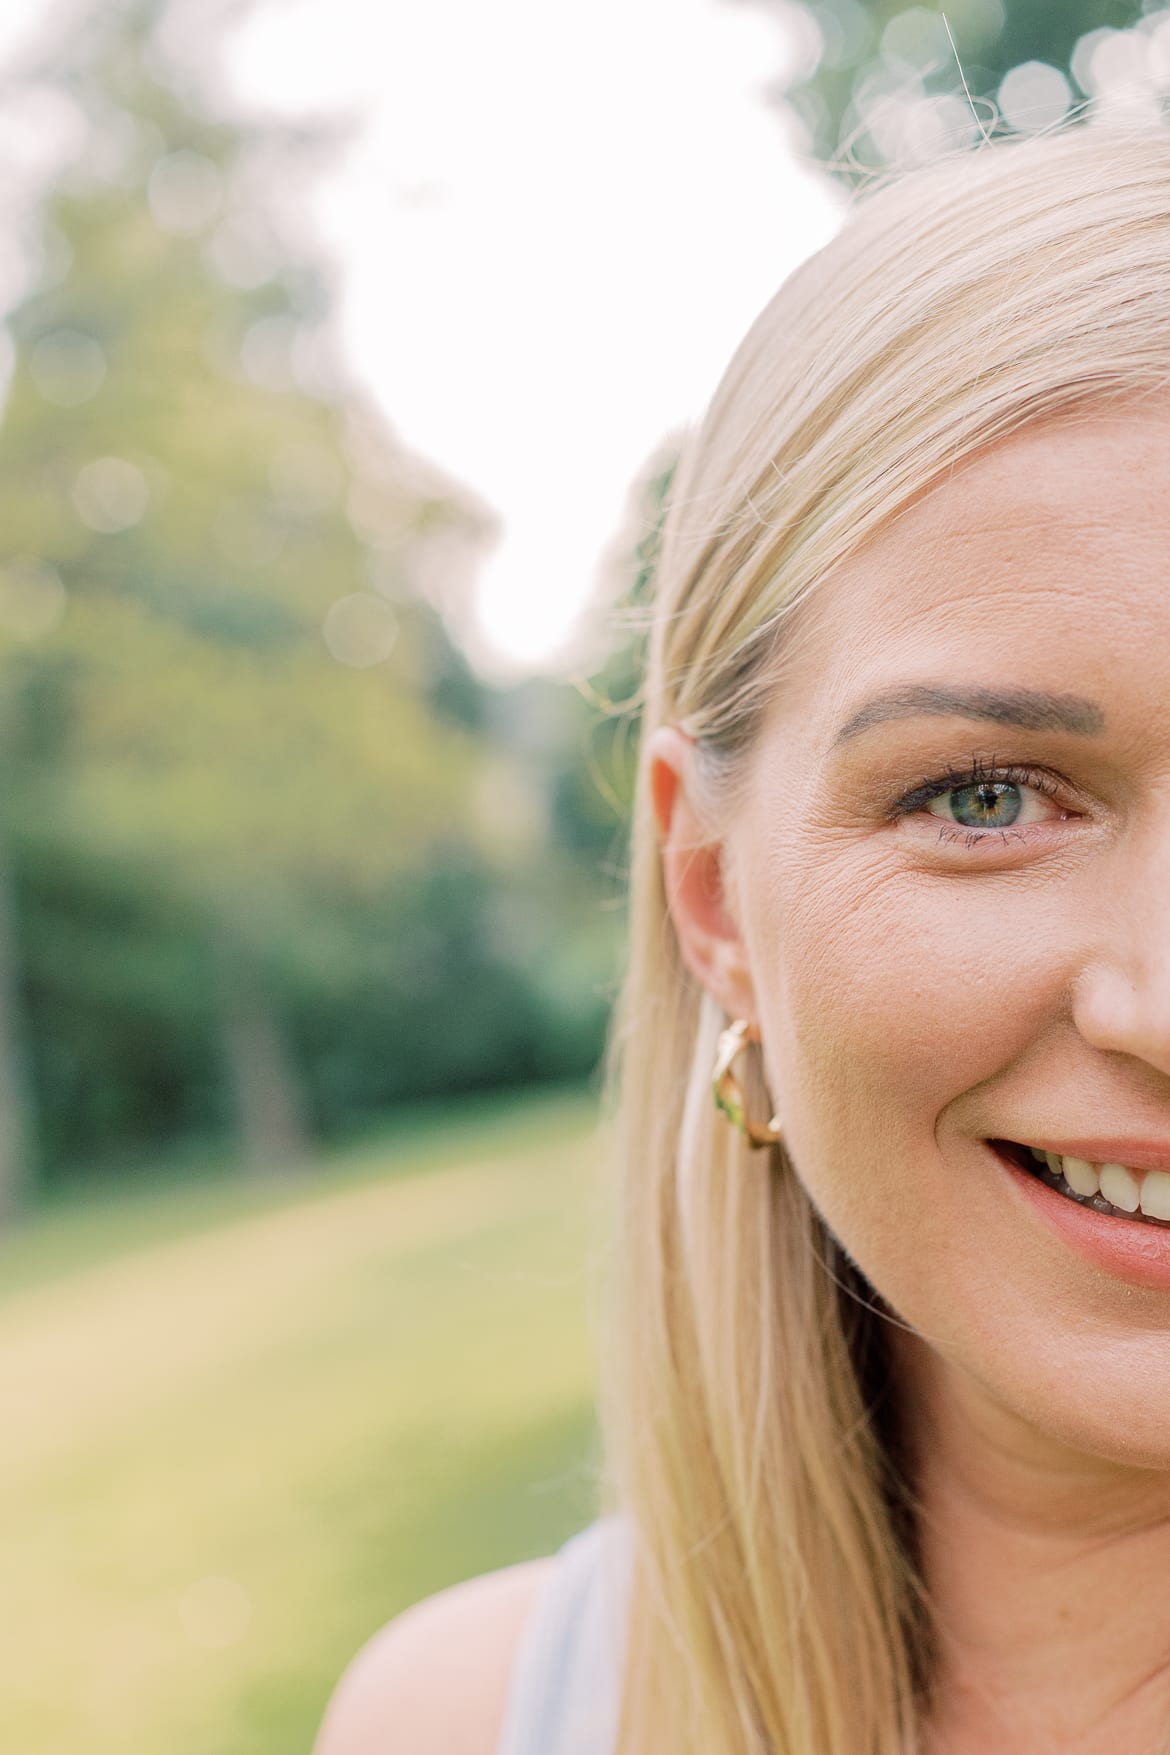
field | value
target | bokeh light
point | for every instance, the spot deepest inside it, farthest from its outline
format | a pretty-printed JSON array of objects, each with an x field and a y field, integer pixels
[
  {"x": 185, "y": 192},
  {"x": 110, "y": 494},
  {"x": 360, "y": 629},
  {"x": 1033, "y": 96}
]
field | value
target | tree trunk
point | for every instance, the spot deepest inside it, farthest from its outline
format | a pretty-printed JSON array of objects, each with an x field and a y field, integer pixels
[
  {"x": 17, "y": 1119},
  {"x": 265, "y": 1085}
]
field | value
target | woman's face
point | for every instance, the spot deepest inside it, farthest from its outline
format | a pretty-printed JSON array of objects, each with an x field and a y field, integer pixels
[{"x": 952, "y": 886}]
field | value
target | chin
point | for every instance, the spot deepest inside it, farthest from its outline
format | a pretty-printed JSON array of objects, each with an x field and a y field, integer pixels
[
  {"x": 1058, "y": 1400},
  {"x": 1112, "y": 1406}
]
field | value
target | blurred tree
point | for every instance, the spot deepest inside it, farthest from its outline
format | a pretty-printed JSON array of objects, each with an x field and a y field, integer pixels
[
  {"x": 273, "y": 856},
  {"x": 18, "y": 1147},
  {"x": 209, "y": 690},
  {"x": 877, "y": 82}
]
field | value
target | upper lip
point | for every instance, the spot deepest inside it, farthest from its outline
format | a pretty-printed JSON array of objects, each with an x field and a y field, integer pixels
[{"x": 1136, "y": 1154}]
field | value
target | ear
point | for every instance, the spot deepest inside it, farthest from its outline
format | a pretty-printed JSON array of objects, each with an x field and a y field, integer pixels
[{"x": 695, "y": 870}]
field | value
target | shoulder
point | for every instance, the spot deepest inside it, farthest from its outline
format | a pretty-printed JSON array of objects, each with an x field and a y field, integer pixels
[{"x": 435, "y": 1679}]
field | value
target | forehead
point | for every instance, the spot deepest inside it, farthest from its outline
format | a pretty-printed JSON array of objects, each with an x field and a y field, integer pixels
[{"x": 1047, "y": 553}]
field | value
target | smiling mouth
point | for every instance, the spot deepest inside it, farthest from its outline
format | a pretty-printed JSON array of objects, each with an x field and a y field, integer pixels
[{"x": 1049, "y": 1169}]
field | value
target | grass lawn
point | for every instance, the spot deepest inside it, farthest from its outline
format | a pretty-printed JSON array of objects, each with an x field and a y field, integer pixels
[{"x": 243, "y": 1425}]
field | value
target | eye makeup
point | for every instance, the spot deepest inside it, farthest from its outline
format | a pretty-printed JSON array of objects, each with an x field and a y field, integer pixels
[{"x": 992, "y": 784}]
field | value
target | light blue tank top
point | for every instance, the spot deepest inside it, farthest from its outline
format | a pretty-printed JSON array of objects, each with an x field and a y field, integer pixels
[{"x": 564, "y": 1692}]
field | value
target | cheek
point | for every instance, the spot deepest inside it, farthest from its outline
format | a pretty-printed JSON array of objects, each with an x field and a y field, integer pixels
[
  {"x": 902, "y": 1020},
  {"x": 886, "y": 999}
]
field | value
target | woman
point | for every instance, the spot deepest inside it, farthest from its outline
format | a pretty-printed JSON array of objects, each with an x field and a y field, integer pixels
[{"x": 888, "y": 1397}]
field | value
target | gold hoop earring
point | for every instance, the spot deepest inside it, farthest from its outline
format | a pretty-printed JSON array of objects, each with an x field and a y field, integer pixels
[{"x": 729, "y": 1097}]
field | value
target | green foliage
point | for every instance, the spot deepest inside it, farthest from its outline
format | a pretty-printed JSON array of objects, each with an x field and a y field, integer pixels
[
  {"x": 208, "y": 537},
  {"x": 187, "y": 712},
  {"x": 873, "y": 65}
]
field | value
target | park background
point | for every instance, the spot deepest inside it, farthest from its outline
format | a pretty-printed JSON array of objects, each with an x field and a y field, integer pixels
[{"x": 345, "y": 358}]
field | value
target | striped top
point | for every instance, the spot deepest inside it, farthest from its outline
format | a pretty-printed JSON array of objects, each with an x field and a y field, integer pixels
[{"x": 564, "y": 1692}]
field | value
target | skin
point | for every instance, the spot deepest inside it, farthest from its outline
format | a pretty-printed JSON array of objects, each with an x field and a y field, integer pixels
[
  {"x": 918, "y": 990},
  {"x": 435, "y": 1680}
]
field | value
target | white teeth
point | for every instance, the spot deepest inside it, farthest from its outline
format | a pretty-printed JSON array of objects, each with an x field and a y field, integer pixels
[
  {"x": 1120, "y": 1187},
  {"x": 1129, "y": 1190},
  {"x": 1082, "y": 1176},
  {"x": 1155, "y": 1194}
]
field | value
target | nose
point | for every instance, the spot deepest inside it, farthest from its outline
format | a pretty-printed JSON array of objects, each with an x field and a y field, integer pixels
[{"x": 1121, "y": 994}]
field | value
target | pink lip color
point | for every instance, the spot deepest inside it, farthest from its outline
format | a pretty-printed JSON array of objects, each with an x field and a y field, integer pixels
[
  {"x": 1135, "y": 1154},
  {"x": 1125, "y": 1248}
]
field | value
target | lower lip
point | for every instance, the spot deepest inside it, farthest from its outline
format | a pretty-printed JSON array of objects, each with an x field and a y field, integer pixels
[{"x": 1125, "y": 1248}]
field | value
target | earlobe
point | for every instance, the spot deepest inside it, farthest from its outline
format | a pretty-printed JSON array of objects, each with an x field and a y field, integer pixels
[{"x": 693, "y": 869}]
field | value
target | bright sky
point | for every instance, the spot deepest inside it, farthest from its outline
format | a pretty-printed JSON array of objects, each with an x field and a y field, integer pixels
[{"x": 553, "y": 227}]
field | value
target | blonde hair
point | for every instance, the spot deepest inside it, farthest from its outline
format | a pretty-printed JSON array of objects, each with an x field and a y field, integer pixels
[{"x": 777, "y": 1607}]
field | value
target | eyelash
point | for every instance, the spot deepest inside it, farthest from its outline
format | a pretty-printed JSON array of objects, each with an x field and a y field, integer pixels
[{"x": 976, "y": 773}]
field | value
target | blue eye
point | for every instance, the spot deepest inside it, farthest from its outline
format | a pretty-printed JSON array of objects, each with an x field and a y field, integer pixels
[
  {"x": 989, "y": 804},
  {"x": 982, "y": 798}
]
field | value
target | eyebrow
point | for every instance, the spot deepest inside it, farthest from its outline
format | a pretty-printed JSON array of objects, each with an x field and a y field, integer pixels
[{"x": 1033, "y": 709}]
